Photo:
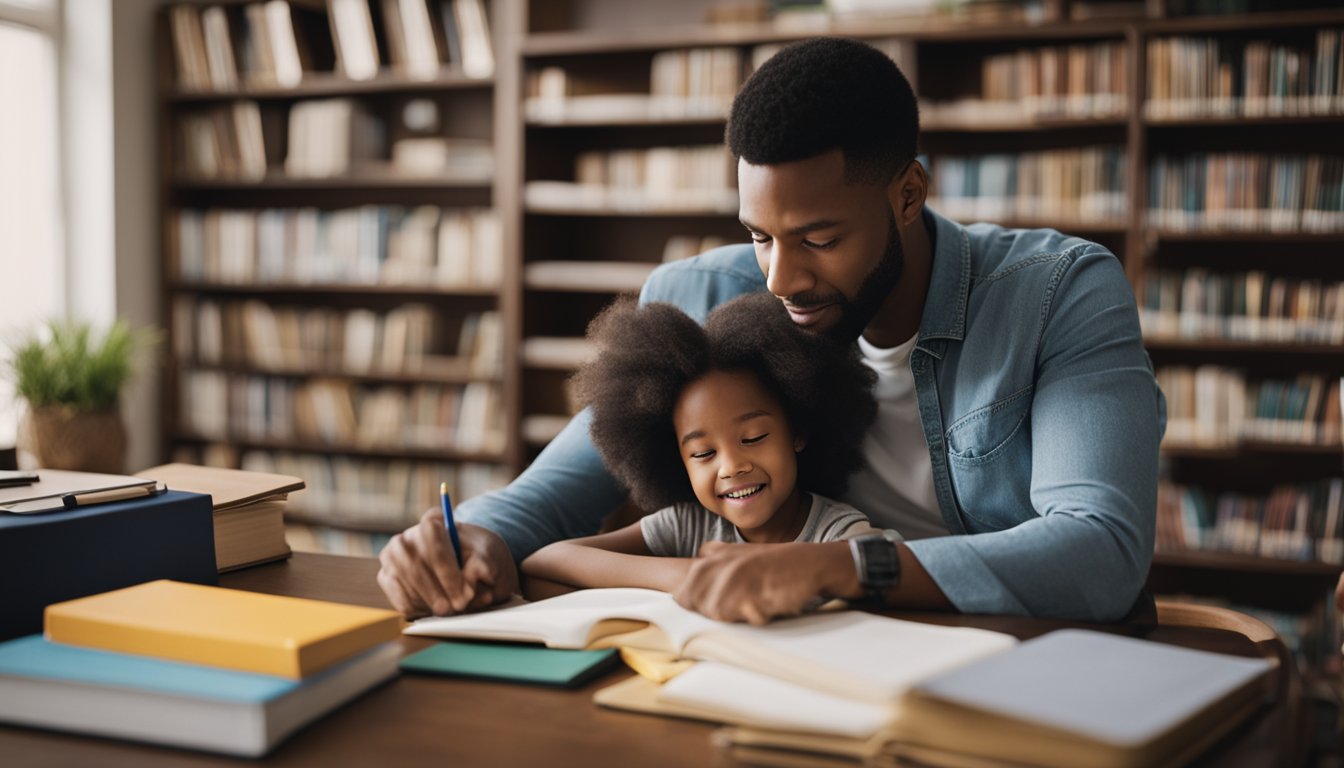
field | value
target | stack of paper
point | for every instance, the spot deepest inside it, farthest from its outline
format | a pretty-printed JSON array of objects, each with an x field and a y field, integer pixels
[{"x": 194, "y": 666}]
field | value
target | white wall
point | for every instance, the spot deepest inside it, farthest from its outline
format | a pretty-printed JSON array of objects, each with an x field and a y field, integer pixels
[{"x": 108, "y": 114}]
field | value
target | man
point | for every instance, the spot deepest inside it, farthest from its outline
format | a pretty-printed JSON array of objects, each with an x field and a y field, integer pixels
[{"x": 1016, "y": 444}]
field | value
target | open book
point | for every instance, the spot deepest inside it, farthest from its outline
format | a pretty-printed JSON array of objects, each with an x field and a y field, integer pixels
[
  {"x": 1067, "y": 699},
  {"x": 855, "y": 656}
]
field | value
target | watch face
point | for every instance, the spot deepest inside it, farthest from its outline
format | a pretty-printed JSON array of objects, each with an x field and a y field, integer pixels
[{"x": 881, "y": 564}]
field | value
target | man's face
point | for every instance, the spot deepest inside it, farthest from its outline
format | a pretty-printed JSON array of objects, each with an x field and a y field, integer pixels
[{"x": 829, "y": 250}]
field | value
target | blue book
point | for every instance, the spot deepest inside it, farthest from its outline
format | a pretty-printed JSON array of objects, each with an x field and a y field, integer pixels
[
  {"x": 55, "y": 556},
  {"x": 68, "y": 688}
]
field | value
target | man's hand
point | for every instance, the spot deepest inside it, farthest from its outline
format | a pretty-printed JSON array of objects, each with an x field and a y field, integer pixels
[
  {"x": 420, "y": 576},
  {"x": 759, "y": 582}
]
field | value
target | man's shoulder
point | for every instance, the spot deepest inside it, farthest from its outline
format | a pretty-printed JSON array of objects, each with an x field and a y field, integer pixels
[
  {"x": 700, "y": 283},
  {"x": 998, "y": 251}
]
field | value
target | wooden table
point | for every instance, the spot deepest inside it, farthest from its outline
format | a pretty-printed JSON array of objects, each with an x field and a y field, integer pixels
[{"x": 418, "y": 720}]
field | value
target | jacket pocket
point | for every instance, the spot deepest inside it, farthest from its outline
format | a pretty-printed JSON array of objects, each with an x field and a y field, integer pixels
[{"x": 983, "y": 435}]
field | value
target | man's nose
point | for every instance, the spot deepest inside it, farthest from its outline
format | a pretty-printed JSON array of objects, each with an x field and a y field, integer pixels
[{"x": 786, "y": 274}]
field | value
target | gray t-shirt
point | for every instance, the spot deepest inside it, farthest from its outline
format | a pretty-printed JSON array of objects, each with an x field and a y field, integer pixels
[{"x": 679, "y": 530}]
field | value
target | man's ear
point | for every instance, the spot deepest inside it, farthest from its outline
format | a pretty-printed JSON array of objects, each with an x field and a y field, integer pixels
[
  {"x": 907, "y": 192},
  {"x": 799, "y": 443}
]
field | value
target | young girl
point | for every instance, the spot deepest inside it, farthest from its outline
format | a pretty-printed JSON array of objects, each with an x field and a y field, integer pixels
[{"x": 720, "y": 429}]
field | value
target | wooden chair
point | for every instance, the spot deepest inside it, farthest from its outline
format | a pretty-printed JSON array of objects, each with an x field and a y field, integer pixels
[{"x": 1288, "y": 691}]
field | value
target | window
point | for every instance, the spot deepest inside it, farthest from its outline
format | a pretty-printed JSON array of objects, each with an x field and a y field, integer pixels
[{"x": 31, "y": 253}]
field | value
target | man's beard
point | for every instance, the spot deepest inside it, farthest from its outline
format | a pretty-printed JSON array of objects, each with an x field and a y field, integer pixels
[{"x": 856, "y": 314}]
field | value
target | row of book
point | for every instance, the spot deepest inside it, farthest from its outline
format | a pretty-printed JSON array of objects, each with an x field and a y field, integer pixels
[
  {"x": 369, "y": 245},
  {"x": 1243, "y": 306},
  {"x": 410, "y": 339},
  {"x": 1086, "y": 184},
  {"x": 696, "y": 82},
  {"x": 1215, "y": 407},
  {"x": 260, "y": 44},
  {"x": 659, "y": 178},
  {"x": 417, "y": 38},
  {"x": 279, "y": 43},
  {"x": 1303, "y": 521},
  {"x": 334, "y": 412},
  {"x": 318, "y": 138},
  {"x": 1207, "y": 76},
  {"x": 1247, "y": 192},
  {"x": 1053, "y": 82},
  {"x": 374, "y": 494},
  {"x": 682, "y": 84}
]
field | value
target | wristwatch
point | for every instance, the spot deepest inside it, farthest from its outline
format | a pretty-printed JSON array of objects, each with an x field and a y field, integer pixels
[{"x": 878, "y": 565}]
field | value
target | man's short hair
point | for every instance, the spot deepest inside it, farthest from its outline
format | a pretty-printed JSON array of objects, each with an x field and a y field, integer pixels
[{"x": 823, "y": 94}]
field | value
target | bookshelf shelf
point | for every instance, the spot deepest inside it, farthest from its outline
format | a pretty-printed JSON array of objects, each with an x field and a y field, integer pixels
[
  {"x": 448, "y": 374},
  {"x": 1240, "y": 121},
  {"x": 1023, "y": 126},
  {"x": 630, "y": 122},
  {"x": 370, "y": 452},
  {"x": 1230, "y": 346},
  {"x": 586, "y": 276},
  {"x": 1247, "y": 236},
  {"x": 335, "y": 289},
  {"x": 327, "y": 85},
  {"x": 540, "y": 429},
  {"x": 369, "y": 181},
  {"x": 557, "y": 352},
  {"x": 1248, "y": 450},
  {"x": 1245, "y": 22},
  {"x": 1242, "y": 564}
]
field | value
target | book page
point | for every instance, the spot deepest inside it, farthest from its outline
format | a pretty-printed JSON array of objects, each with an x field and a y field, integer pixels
[
  {"x": 735, "y": 695},
  {"x": 575, "y": 620},
  {"x": 854, "y": 654}
]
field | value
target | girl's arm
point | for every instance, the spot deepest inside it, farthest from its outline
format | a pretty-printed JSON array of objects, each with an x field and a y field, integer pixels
[{"x": 616, "y": 559}]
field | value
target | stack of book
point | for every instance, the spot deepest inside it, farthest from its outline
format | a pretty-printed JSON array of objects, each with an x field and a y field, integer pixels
[
  {"x": 194, "y": 666},
  {"x": 249, "y": 509}
]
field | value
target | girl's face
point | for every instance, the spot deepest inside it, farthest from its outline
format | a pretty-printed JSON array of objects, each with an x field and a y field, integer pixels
[{"x": 740, "y": 454}]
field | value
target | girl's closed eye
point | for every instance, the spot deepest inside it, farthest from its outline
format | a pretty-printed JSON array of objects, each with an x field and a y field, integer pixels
[
  {"x": 754, "y": 440},
  {"x": 702, "y": 455}
]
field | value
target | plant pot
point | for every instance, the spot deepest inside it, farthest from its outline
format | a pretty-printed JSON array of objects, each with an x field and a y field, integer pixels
[{"x": 62, "y": 437}]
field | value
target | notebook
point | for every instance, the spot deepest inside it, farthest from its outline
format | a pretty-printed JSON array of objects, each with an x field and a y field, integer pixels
[
  {"x": 53, "y": 485},
  {"x": 67, "y": 688},
  {"x": 513, "y": 663},
  {"x": 248, "y": 631}
]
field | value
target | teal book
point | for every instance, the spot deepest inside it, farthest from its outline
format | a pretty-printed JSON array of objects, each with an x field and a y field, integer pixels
[
  {"x": 99, "y": 693},
  {"x": 513, "y": 663}
]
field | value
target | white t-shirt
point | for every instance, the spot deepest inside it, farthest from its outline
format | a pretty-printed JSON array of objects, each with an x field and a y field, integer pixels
[
  {"x": 895, "y": 488},
  {"x": 679, "y": 530}
]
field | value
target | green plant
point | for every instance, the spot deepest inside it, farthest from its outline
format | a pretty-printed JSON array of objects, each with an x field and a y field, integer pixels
[{"x": 68, "y": 366}]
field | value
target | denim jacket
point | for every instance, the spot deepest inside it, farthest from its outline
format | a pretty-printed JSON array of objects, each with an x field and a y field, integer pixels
[{"x": 1039, "y": 407}]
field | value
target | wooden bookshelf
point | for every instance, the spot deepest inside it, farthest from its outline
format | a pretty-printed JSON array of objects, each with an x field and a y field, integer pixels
[{"x": 449, "y": 104}]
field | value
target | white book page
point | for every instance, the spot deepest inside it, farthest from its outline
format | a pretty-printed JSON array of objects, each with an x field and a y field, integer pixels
[
  {"x": 855, "y": 654},
  {"x": 743, "y": 697},
  {"x": 567, "y": 621}
]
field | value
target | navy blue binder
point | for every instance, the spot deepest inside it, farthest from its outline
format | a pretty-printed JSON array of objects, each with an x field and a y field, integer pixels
[{"x": 62, "y": 555}]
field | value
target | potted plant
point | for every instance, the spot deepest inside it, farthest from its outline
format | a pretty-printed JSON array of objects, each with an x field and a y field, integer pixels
[{"x": 72, "y": 385}]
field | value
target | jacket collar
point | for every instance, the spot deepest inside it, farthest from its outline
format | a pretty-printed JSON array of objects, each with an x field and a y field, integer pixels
[{"x": 949, "y": 280}]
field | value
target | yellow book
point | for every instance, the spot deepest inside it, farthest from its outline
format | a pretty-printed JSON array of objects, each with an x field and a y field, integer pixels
[{"x": 270, "y": 634}]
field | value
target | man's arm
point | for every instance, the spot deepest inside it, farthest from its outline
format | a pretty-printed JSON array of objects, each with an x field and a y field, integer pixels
[{"x": 1096, "y": 421}]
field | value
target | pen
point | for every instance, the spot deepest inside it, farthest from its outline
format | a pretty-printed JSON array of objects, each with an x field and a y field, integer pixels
[
  {"x": 448, "y": 522},
  {"x": 75, "y": 500}
]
